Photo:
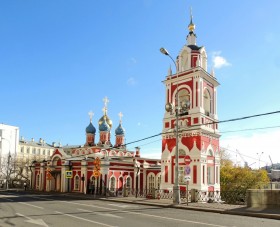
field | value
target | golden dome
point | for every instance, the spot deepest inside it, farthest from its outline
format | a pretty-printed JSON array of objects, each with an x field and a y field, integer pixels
[
  {"x": 191, "y": 27},
  {"x": 108, "y": 120}
]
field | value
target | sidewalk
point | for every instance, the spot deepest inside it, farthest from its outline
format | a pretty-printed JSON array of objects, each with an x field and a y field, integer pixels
[{"x": 222, "y": 208}]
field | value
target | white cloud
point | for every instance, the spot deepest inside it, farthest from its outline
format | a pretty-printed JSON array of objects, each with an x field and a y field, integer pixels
[
  {"x": 251, "y": 148},
  {"x": 219, "y": 61},
  {"x": 131, "y": 81}
]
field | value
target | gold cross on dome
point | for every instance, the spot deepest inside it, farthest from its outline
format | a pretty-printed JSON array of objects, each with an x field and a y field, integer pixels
[
  {"x": 120, "y": 115},
  {"x": 104, "y": 109},
  {"x": 90, "y": 113},
  {"x": 105, "y": 100}
]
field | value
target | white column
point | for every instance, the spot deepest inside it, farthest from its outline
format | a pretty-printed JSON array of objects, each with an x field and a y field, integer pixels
[
  {"x": 83, "y": 173},
  {"x": 63, "y": 179}
]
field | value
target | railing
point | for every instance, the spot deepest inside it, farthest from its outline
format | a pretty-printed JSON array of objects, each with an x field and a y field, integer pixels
[
  {"x": 271, "y": 185},
  {"x": 237, "y": 196},
  {"x": 229, "y": 197}
]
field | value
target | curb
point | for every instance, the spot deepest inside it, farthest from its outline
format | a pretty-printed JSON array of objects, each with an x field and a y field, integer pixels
[
  {"x": 165, "y": 205},
  {"x": 250, "y": 214}
]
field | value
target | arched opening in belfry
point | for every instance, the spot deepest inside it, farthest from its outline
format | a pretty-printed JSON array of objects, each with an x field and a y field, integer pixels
[
  {"x": 183, "y": 95},
  {"x": 207, "y": 102}
]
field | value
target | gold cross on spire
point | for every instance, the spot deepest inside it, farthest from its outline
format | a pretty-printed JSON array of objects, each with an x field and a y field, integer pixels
[
  {"x": 120, "y": 115},
  {"x": 105, "y": 100},
  {"x": 90, "y": 113},
  {"x": 104, "y": 109}
]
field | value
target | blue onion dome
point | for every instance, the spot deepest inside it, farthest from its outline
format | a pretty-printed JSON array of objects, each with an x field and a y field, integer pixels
[
  {"x": 90, "y": 129},
  {"x": 104, "y": 126},
  {"x": 119, "y": 130}
]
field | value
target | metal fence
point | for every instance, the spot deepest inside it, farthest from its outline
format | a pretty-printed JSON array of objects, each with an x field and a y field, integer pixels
[{"x": 193, "y": 195}]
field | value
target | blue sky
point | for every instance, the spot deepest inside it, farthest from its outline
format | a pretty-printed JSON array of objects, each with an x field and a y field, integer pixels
[{"x": 59, "y": 59}]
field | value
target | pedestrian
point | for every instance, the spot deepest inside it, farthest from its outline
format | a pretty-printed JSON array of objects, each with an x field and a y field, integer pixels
[{"x": 25, "y": 186}]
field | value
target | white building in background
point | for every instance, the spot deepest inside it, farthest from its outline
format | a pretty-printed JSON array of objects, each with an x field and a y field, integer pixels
[
  {"x": 20, "y": 151},
  {"x": 21, "y": 148},
  {"x": 9, "y": 137},
  {"x": 30, "y": 150}
]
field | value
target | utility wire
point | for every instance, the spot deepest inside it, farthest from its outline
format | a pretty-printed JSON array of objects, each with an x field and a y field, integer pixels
[
  {"x": 247, "y": 156},
  {"x": 214, "y": 122},
  {"x": 251, "y": 129}
]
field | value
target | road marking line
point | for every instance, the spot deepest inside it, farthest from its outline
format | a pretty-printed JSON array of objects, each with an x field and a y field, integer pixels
[
  {"x": 85, "y": 210},
  {"x": 95, "y": 222},
  {"x": 100, "y": 214},
  {"x": 31, "y": 205},
  {"x": 122, "y": 206},
  {"x": 33, "y": 221},
  {"x": 173, "y": 219},
  {"x": 81, "y": 204},
  {"x": 37, "y": 197},
  {"x": 8, "y": 199}
]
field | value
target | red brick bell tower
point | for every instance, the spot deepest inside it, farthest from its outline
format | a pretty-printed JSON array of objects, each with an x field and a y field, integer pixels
[{"x": 198, "y": 135}]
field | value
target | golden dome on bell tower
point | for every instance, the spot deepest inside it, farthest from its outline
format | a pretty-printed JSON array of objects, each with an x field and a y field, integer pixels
[{"x": 191, "y": 26}]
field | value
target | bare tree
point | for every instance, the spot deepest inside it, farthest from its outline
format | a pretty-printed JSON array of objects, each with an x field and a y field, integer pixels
[{"x": 225, "y": 157}]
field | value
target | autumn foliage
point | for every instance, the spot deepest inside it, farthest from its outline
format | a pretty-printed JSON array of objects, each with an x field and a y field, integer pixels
[{"x": 236, "y": 178}]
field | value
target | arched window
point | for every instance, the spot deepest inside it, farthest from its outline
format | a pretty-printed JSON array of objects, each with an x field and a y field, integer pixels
[
  {"x": 76, "y": 182},
  {"x": 182, "y": 152},
  {"x": 128, "y": 182},
  {"x": 204, "y": 60},
  {"x": 158, "y": 181},
  {"x": 210, "y": 168},
  {"x": 151, "y": 181},
  {"x": 210, "y": 153},
  {"x": 207, "y": 102},
  {"x": 112, "y": 184},
  {"x": 184, "y": 95}
]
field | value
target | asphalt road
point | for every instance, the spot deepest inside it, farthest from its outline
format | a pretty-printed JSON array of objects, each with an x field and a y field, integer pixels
[{"x": 17, "y": 209}]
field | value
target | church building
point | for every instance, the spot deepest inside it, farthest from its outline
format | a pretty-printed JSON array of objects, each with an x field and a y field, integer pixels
[
  {"x": 100, "y": 165},
  {"x": 106, "y": 165}
]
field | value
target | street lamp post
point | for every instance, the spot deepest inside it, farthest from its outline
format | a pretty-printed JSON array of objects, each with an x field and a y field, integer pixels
[
  {"x": 179, "y": 107},
  {"x": 136, "y": 185}
]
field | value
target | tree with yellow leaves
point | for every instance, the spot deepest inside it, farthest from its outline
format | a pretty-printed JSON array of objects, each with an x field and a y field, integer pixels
[{"x": 236, "y": 180}]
